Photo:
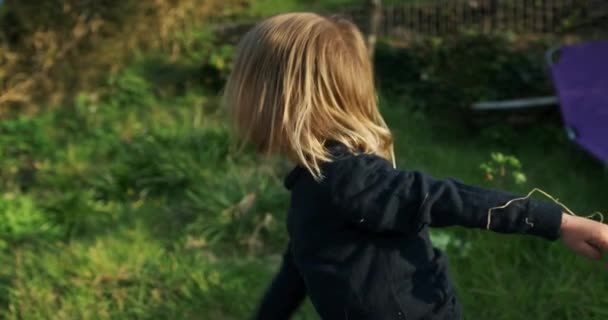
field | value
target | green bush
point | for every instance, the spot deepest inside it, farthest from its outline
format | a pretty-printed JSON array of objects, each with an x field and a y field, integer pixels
[
  {"x": 67, "y": 46},
  {"x": 503, "y": 170},
  {"x": 452, "y": 73},
  {"x": 205, "y": 64}
]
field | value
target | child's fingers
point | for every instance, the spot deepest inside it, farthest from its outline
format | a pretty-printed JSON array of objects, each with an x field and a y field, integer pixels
[
  {"x": 600, "y": 240},
  {"x": 588, "y": 250}
]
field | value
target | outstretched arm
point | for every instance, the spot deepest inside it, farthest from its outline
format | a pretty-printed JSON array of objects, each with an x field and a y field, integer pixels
[
  {"x": 285, "y": 294},
  {"x": 372, "y": 194}
]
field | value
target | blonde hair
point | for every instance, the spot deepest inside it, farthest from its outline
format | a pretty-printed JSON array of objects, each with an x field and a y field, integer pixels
[{"x": 301, "y": 80}]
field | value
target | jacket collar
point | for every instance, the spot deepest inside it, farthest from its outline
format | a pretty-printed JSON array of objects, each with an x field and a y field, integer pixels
[{"x": 337, "y": 150}]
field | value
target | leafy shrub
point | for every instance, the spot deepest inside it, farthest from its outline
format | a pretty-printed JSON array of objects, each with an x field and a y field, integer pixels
[
  {"x": 218, "y": 65},
  {"x": 503, "y": 169},
  {"x": 204, "y": 63},
  {"x": 449, "y": 74},
  {"x": 24, "y": 147},
  {"x": 63, "y": 46}
]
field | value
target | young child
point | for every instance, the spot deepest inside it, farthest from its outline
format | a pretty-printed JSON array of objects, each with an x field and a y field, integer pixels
[{"x": 302, "y": 87}]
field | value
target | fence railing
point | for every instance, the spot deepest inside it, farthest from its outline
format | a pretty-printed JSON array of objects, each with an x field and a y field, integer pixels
[{"x": 441, "y": 17}]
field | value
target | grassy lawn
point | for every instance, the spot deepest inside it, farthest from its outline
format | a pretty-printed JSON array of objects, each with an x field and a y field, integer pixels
[
  {"x": 140, "y": 212},
  {"x": 507, "y": 276},
  {"x": 132, "y": 203}
]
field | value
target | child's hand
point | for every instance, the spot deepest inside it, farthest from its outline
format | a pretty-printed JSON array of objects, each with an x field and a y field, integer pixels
[{"x": 585, "y": 236}]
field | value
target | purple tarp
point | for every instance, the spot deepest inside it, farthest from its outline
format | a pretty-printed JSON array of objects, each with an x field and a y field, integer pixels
[{"x": 581, "y": 79}]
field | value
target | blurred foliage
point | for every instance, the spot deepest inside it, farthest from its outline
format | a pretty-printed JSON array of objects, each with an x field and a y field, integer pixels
[
  {"x": 138, "y": 193},
  {"x": 169, "y": 154},
  {"x": 269, "y": 7},
  {"x": 503, "y": 169},
  {"x": 22, "y": 219},
  {"x": 52, "y": 49},
  {"x": 449, "y": 74}
]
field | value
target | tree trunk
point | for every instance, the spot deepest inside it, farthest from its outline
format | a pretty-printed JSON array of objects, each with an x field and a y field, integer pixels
[{"x": 374, "y": 13}]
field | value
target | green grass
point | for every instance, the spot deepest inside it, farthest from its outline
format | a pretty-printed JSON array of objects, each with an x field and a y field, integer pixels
[
  {"x": 141, "y": 212},
  {"x": 134, "y": 204},
  {"x": 508, "y": 276}
]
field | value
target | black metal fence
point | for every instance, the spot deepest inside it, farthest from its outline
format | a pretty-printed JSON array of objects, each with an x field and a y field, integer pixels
[{"x": 442, "y": 17}]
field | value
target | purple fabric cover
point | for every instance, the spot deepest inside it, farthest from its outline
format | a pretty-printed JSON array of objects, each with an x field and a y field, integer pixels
[{"x": 581, "y": 79}]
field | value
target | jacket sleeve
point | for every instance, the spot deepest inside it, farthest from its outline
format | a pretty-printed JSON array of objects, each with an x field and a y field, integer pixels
[
  {"x": 368, "y": 191},
  {"x": 285, "y": 294}
]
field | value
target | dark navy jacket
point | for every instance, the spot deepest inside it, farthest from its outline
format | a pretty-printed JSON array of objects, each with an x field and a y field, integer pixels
[{"x": 359, "y": 241}]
